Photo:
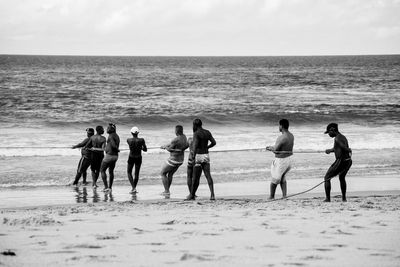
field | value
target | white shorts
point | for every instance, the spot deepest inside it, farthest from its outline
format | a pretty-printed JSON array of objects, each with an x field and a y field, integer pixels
[
  {"x": 279, "y": 167},
  {"x": 201, "y": 158}
]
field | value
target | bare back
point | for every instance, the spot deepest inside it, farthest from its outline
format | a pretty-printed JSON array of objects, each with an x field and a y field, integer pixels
[
  {"x": 200, "y": 139},
  {"x": 284, "y": 143}
]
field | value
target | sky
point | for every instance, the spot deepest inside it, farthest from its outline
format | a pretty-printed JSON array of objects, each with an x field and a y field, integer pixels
[{"x": 199, "y": 27}]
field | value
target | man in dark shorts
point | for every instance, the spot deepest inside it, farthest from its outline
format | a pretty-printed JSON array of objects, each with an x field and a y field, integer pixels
[
  {"x": 342, "y": 163},
  {"x": 177, "y": 155},
  {"x": 201, "y": 139},
  {"x": 136, "y": 145},
  {"x": 98, "y": 144},
  {"x": 84, "y": 162},
  {"x": 112, "y": 150}
]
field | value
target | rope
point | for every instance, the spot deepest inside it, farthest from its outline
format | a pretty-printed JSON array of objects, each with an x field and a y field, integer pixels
[
  {"x": 300, "y": 193},
  {"x": 157, "y": 147},
  {"x": 36, "y": 147}
]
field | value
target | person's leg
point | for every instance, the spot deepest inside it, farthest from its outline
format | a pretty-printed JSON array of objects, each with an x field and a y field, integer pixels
[
  {"x": 195, "y": 180},
  {"x": 85, "y": 167},
  {"x": 272, "y": 189},
  {"x": 283, "y": 183},
  {"x": 333, "y": 170},
  {"x": 103, "y": 169},
  {"x": 111, "y": 173},
  {"x": 342, "y": 179},
  {"x": 129, "y": 172},
  {"x": 189, "y": 179},
  {"x": 327, "y": 189},
  {"x": 166, "y": 168},
  {"x": 207, "y": 174},
  {"x": 138, "y": 164},
  {"x": 77, "y": 177},
  {"x": 94, "y": 178},
  {"x": 84, "y": 175},
  {"x": 78, "y": 172},
  {"x": 95, "y": 173},
  {"x": 170, "y": 175},
  {"x": 283, "y": 186}
]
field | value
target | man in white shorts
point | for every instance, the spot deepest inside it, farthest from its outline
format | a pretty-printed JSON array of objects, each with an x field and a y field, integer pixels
[
  {"x": 281, "y": 165},
  {"x": 177, "y": 149},
  {"x": 202, "y": 142}
]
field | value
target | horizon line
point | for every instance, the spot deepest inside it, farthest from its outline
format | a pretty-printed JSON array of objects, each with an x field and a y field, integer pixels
[{"x": 282, "y": 55}]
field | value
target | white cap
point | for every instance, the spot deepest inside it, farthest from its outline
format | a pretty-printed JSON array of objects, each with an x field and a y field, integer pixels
[{"x": 135, "y": 130}]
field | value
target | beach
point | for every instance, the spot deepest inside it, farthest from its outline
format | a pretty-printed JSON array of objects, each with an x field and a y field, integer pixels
[
  {"x": 47, "y": 102},
  {"x": 231, "y": 231}
]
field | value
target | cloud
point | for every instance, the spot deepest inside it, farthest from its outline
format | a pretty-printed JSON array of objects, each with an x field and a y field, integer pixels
[{"x": 216, "y": 27}]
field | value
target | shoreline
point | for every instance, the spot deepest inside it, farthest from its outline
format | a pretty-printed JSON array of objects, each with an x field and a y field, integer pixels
[{"x": 66, "y": 195}]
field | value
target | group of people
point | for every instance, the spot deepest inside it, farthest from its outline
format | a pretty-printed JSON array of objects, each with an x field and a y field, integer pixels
[
  {"x": 94, "y": 146},
  {"x": 92, "y": 150}
]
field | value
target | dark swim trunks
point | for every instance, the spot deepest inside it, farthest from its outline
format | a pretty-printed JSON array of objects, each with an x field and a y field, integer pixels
[
  {"x": 135, "y": 161},
  {"x": 83, "y": 165},
  {"x": 97, "y": 158},
  {"x": 340, "y": 166}
]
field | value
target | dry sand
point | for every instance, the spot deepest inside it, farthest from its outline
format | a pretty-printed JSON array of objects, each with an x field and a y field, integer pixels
[{"x": 303, "y": 231}]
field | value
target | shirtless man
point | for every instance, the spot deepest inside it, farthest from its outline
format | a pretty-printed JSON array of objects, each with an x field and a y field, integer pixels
[
  {"x": 202, "y": 142},
  {"x": 281, "y": 165},
  {"x": 112, "y": 150},
  {"x": 176, "y": 148},
  {"x": 98, "y": 144},
  {"x": 85, "y": 160},
  {"x": 342, "y": 163},
  {"x": 136, "y": 145}
]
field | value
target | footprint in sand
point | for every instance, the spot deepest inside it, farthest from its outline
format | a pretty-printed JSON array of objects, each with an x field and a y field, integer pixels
[
  {"x": 324, "y": 249},
  {"x": 340, "y": 232},
  {"x": 61, "y": 252},
  {"x": 379, "y": 254},
  {"x": 83, "y": 246},
  {"x": 282, "y": 232},
  {"x": 202, "y": 257},
  {"x": 338, "y": 245},
  {"x": 106, "y": 237},
  {"x": 313, "y": 257},
  {"x": 170, "y": 222},
  {"x": 379, "y": 223},
  {"x": 293, "y": 264},
  {"x": 211, "y": 234},
  {"x": 357, "y": 227}
]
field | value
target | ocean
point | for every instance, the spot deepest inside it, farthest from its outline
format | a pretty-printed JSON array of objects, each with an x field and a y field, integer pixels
[{"x": 47, "y": 102}]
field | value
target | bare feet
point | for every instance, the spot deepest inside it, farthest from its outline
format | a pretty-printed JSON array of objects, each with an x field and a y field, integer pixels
[
  {"x": 190, "y": 197},
  {"x": 133, "y": 191},
  {"x": 327, "y": 200}
]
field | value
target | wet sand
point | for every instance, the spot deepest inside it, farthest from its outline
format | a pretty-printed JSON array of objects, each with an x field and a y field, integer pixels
[{"x": 65, "y": 195}]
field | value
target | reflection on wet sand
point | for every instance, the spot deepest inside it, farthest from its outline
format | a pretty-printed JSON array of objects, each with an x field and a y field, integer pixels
[{"x": 81, "y": 195}]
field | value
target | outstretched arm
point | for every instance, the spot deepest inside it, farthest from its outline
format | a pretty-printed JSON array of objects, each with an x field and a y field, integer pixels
[
  {"x": 276, "y": 148},
  {"x": 81, "y": 144}
]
